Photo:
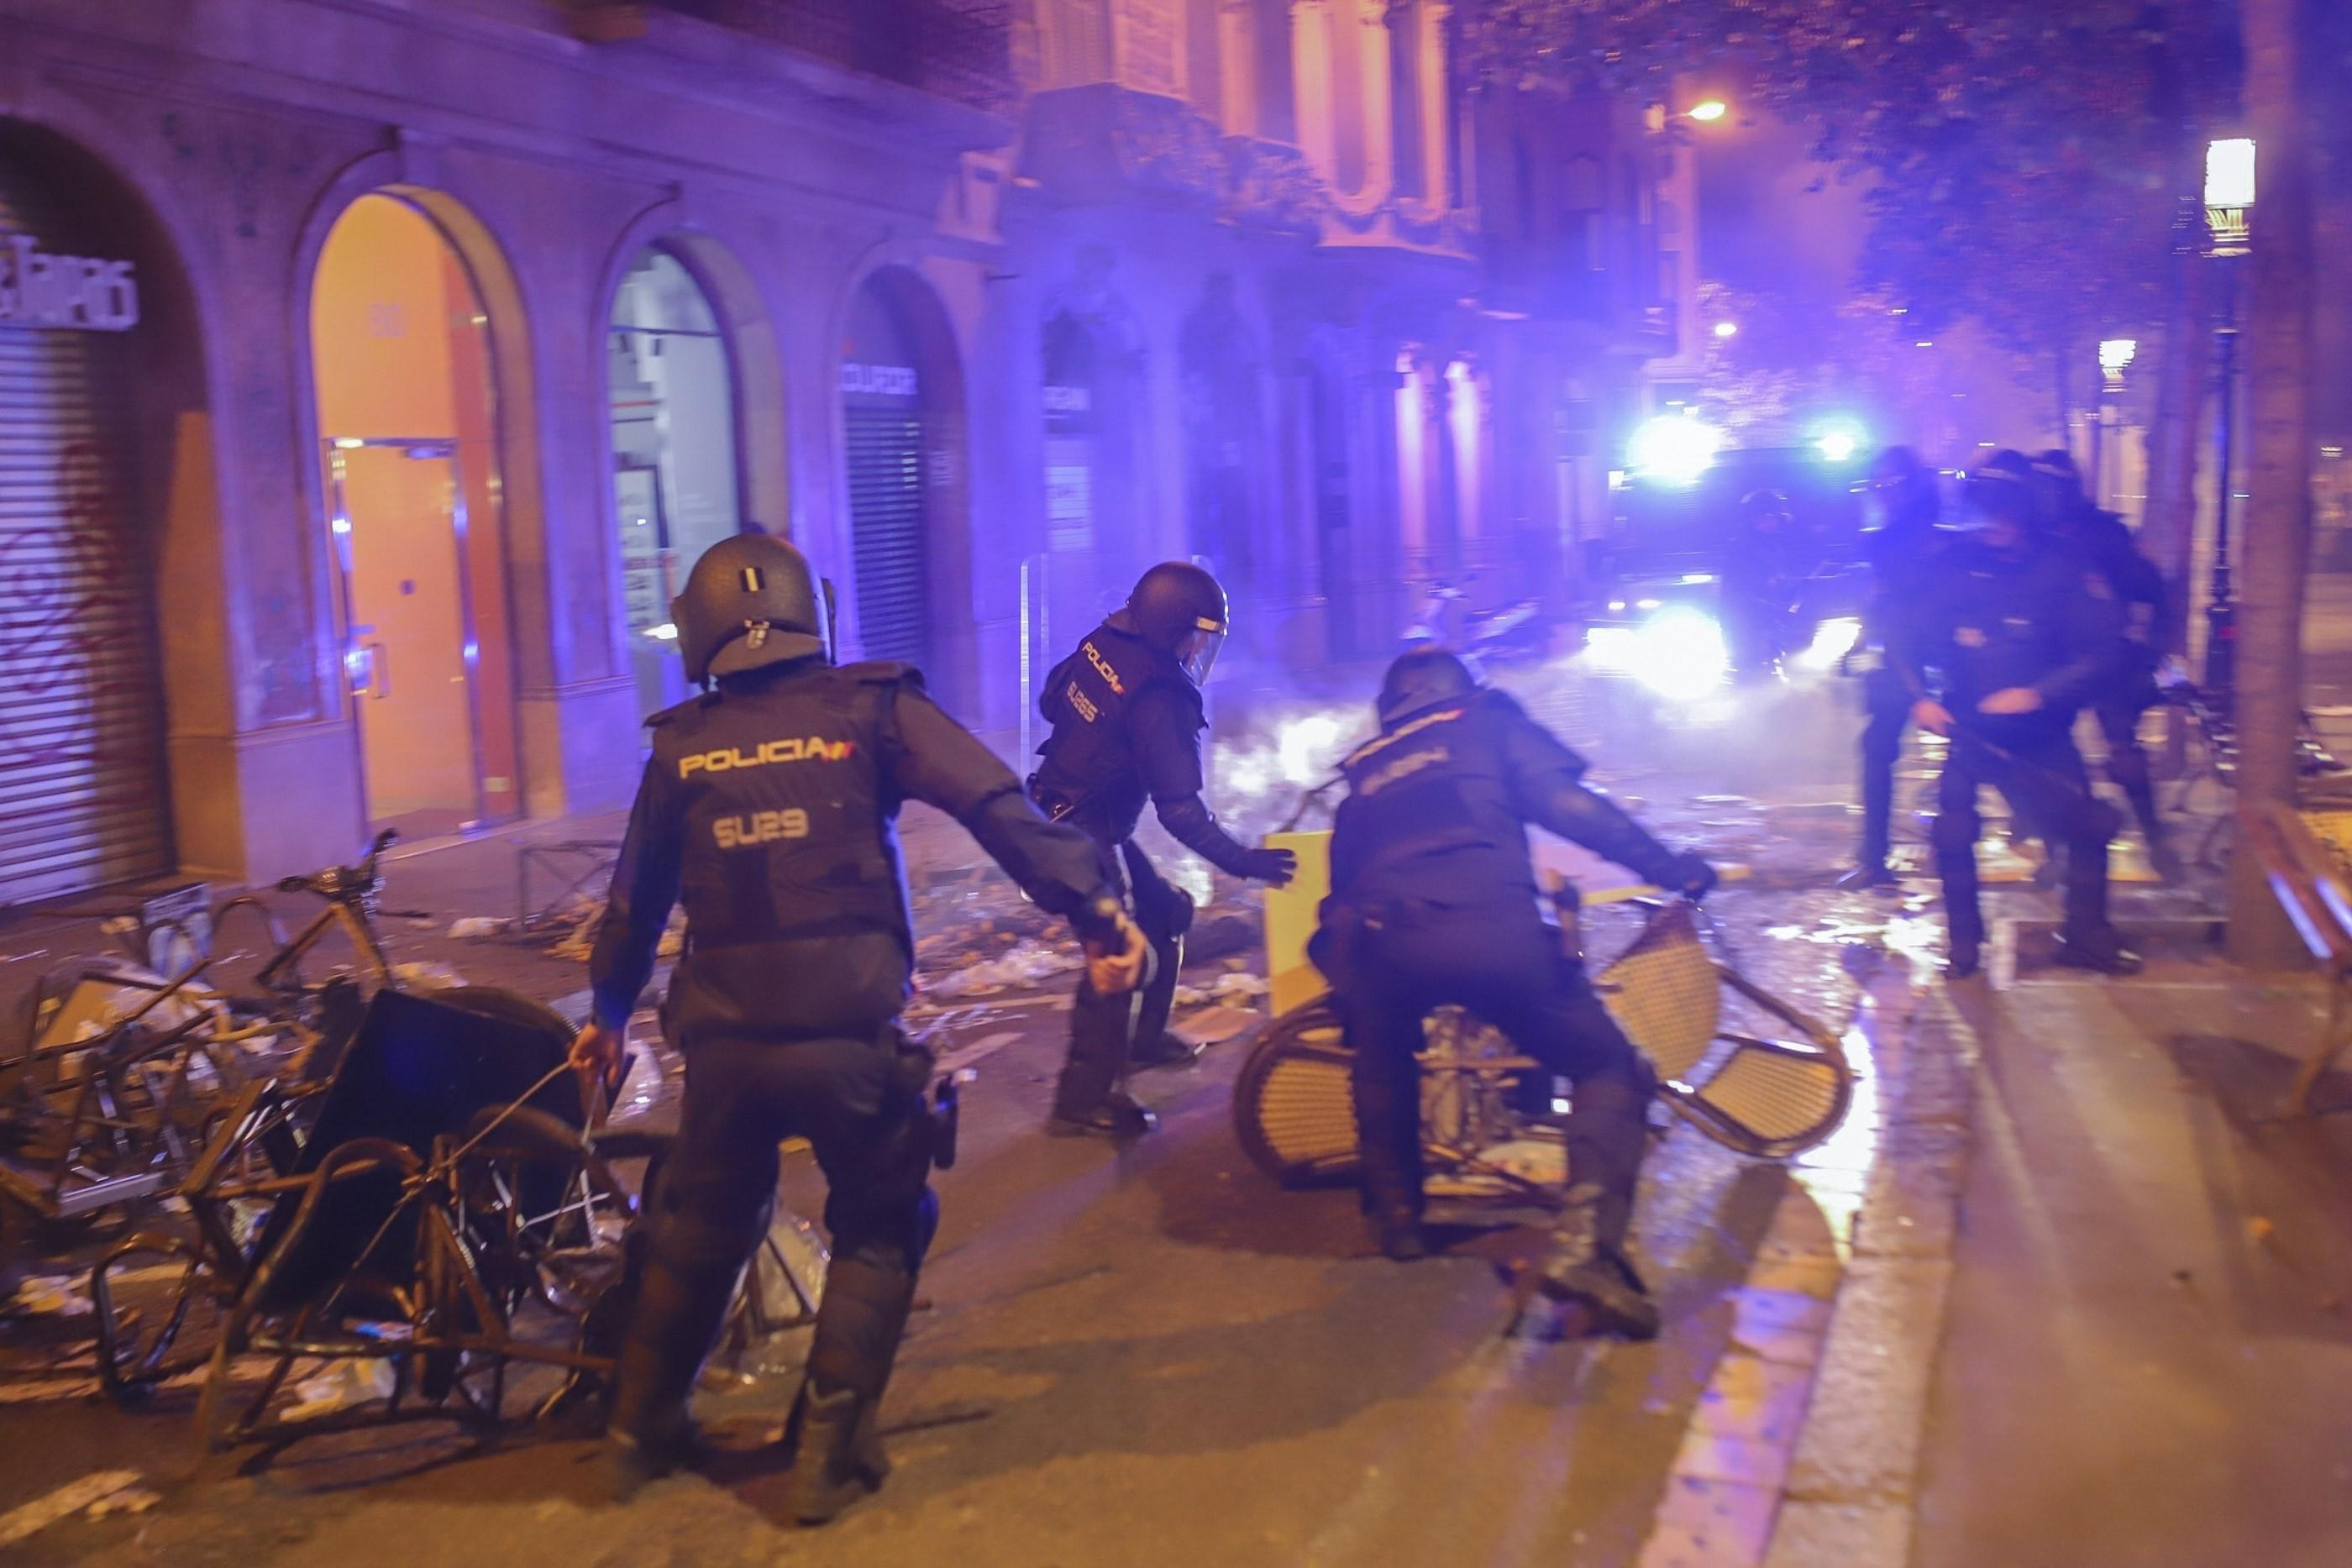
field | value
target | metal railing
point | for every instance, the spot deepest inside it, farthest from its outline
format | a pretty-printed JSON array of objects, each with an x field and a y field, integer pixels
[{"x": 956, "y": 50}]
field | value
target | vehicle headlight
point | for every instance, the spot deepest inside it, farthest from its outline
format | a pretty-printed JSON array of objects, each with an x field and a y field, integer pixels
[
  {"x": 1680, "y": 654},
  {"x": 1832, "y": 641},
  {"x": 1614, "y": 650}
]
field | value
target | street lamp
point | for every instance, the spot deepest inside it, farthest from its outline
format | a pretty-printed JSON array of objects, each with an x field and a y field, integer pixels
[
  {"x": 1727, "y": 328},
  {"x": 1706, "y": 111},
  {"x": 2115, "y": 355},
  {"x": 2228, "y": 197}
]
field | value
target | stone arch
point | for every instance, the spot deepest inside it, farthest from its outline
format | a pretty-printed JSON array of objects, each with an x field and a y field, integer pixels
[
  {"x": 755, "y": 385},
  {"x": 174, "y": 492},
  {"x": 895, "y": 280},
  {"x": 547, "y": 643}
]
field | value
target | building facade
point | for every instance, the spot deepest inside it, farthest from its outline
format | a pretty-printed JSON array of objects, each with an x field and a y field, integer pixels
[{"x": 370, "y": 371}]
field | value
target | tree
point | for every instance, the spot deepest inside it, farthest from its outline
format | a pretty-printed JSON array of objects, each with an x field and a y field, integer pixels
[
  {"x": 2278, "y": 513},
  {"x": 2024, "y": 158}
]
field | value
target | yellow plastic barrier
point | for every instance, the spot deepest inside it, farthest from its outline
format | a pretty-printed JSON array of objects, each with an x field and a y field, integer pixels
[{"x": 1290, "y": 919}]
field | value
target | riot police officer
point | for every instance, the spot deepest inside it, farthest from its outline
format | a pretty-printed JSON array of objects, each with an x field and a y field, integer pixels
[
  {"x": 768, "y": 807},
  {"x": 2016, "y": 636},
  {"x": 1127, "y": 716},
  {"x": 1900, "y": 505},
  {"x": 2107, "y": 543},
  {"x": 1434, "y": 902}
]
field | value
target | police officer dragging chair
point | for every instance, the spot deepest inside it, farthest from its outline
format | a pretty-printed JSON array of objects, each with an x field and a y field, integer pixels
[
  {"x": 1127, "y": 716},
  {"x": 2018, "y": 634},
  {"x": 768, "y": 807},
  {"x": 1434, "y": 902}
]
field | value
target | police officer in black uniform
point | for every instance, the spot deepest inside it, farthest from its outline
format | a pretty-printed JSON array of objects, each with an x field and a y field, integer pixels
[
  {"x": 768, "y": 807},
  {"x": 2016, "y": 636},
  {"x": 1127, "y": 716},
  {"x": 2107, "y": 543},
  {"x": 1434, "y": 902},
  {"x": 1904, "y": 545}
]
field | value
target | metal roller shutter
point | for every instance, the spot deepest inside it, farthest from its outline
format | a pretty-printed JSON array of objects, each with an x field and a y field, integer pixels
[
  {"x": 886, "y": 519},
  {"x": 81, "y": 796}
]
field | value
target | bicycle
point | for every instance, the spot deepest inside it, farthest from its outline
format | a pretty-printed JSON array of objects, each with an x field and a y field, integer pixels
[{"x": 124, "y": 1073}]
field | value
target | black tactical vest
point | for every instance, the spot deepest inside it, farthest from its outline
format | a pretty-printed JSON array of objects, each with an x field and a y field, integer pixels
[
  {"x": 1089, "y": 764},
  {"x": 1429, "y": 812},
  {"x": 790, "y": 828}
]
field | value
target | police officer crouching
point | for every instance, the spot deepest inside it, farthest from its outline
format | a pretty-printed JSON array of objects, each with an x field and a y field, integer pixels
[
  {"x": 2018, "y": 634},
  {"x": 768, "y": 807},
  {"x": 1434, "y": 902},
  {"x": 1127, "y": 716}
]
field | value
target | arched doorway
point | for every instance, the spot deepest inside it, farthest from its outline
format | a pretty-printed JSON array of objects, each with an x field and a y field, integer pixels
[
  {"x": 1097, "y": 530},
  {"x": 677, "y": 479},
  {"x": 892, "y": 435},
  {"x": 96, "y": 358},
  {"x": 409, "y": 431},
  {"x": 1225, "y": 444}
]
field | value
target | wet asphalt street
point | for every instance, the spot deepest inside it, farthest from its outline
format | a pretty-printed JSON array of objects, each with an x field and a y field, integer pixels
[{"x": 1155, "y": 1355}]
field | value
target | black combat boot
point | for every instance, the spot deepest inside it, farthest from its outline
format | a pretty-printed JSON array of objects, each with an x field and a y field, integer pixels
[
  {"x": 1589, "y": 1271},
  {"x": 2101, "y": 951},
  {"x": 675, "y": 1322},
  {"x": 837, "y": 1447}
]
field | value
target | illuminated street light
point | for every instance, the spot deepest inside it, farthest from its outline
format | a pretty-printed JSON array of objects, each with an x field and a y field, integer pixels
[
  {"x": 2229, "y": 172},
  {"x": 2229, "y": 196},
  {"x": 1727, "y": 328},
  {"x": 1706, "y": 112},
  {"x": 2115, "y": 355}
]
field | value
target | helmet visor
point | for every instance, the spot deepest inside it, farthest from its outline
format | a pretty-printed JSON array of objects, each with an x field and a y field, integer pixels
[{"x": 1197, "y": 650}]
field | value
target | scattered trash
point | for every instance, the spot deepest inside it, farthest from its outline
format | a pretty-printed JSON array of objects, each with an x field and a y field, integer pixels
[
  {"x": 474, "y": 927},
  {"x": 1234, "y": 988},
  {"x": 129, "y": 1500},
  {"x": 425, "y": 975},
  {"x": 343, "y": 1385},
  {"x": 70, "y": 1499},
  {"x": 1028, "y": 966},
  {"x": 47, "y": 1296}
]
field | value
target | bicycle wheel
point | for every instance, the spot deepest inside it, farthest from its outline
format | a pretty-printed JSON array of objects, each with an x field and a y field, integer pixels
[{"x": 1293, "y": 1101}]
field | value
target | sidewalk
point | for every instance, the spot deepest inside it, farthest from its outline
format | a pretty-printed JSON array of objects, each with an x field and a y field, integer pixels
[{"x": 2148, "y": 1353}]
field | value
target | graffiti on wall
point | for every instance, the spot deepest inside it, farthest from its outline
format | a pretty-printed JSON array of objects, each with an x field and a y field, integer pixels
[{"x": 65, "y": 589}]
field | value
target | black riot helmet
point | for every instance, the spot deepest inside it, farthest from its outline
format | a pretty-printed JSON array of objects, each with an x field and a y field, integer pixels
[
  {"x": 1178, "y": 610},
  {"x": 1900, "y": 489},
  {"x": 750, "y": 601},
  {"x": 2004, "y": 487},
  {"x": 2062, "y": 484},
  {"x": 1423, "y": 679}
]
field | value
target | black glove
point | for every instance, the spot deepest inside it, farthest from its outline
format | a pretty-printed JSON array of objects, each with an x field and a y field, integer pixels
[
  {"x": 1099, "y": 920},
  {"x": 1272, "y": 867},
  {"x": 1692, "y": 877}
]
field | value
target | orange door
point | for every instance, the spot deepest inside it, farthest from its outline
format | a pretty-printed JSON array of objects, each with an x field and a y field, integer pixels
[{"x": 410, "y": 667}]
